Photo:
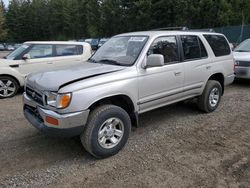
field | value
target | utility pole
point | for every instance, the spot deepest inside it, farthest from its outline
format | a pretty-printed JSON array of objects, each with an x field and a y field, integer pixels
[{"x": 242, "y": 27}]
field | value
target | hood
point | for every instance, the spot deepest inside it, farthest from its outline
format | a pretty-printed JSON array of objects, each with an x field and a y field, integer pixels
[
  {"x": 242, "y": 56},
  {"x": 54, "y": 80}
]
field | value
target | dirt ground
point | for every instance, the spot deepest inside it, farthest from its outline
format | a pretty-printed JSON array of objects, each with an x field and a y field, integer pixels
[{"x": 176, "y": 146}]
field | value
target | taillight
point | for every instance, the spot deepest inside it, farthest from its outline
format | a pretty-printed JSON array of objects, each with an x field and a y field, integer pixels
[{"x": 234, "y": 65}]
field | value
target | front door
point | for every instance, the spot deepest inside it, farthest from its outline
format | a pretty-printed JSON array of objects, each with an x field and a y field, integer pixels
[
  {"x": 40, "y": 59},
  {"x": 159, "y": 86}
]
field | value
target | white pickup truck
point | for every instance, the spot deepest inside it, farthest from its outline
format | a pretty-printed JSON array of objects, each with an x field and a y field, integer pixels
[{"x": 34, "y": 57}]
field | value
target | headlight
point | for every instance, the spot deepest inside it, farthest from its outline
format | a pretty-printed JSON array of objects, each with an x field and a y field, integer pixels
[{"x": 58, "y": 100}]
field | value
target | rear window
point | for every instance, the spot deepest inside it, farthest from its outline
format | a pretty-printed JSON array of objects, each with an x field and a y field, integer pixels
[
  {"x": 218, "y": 44},
  {"x": 68, "y": 50}
]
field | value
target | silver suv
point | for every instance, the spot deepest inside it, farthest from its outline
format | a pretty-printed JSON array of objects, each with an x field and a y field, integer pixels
[{"x": 130, "y": 74}]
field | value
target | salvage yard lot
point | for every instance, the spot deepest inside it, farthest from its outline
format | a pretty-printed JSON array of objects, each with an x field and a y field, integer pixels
[{"x": 175, "y": 146}]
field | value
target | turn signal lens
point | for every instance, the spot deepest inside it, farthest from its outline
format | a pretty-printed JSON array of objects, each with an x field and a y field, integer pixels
[
  {"x": 52, "y": 121},
  {"x": 64, "y": 100}
]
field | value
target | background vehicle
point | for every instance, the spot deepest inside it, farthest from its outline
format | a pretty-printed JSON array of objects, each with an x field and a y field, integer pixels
[
  {"x": 2, "y": 47},
  {"x": 35, "y": 57},
  {"x": 17, "y": 45},
  {"x": 242, "y": 60},
  {"x": 10, "y": 48},
  {"x": 131, "y": 74},
  {"x": 93, "y": 43},
  {"x": 102, "y": 41}
]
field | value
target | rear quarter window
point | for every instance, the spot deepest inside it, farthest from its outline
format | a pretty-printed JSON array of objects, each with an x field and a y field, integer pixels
[{"x": 218, "y": 44}]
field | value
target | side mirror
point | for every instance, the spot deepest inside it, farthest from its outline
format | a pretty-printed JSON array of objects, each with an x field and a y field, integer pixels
[
  {"x": 26, "y": 56},
  {"x": 154, "y": 60}
]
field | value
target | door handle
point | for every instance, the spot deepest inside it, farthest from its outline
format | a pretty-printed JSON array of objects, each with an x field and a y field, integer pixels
[
  {"x": 49, "y": 63},
  {"x": 177, "y": 73}
]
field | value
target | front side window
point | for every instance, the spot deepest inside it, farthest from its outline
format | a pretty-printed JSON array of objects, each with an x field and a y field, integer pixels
[
  {"x": 40, "y": 51},
  {"x": 193, "y": 48},
  {"x": 17, "y": 52},
  {"x": 167, "y": 46},
  {"x": 120, "y": 50},
  {"x": 68, "y": 50},
  {"x": 218, "y": 44}
]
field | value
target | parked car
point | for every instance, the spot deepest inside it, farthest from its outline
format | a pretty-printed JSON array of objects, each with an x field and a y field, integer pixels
[
  {"x": 131, "y": 74},
  {"x": 2, "y": 47},
  {"x": 93, "y": 43},
  {"x": 10, "y": 48},
  {"x": 102, "y": 41},
  {"x": 17, "y": 45},
  {"x": 35, "y": 57},
  {"x": 242, "y": 60}
]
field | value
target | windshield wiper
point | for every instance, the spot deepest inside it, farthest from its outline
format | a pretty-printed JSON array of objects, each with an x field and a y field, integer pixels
[
  {"x": 92, "y": 60},
  {"x": 242, "y": 51},
  {"x": 111, "y": 61}
]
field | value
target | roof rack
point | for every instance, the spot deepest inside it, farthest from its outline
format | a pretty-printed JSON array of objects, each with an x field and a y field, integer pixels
[
  {"x": 171, "y": 29},
  {"x": 183, "y": 29},
  {"x": 203, "y": 30}
]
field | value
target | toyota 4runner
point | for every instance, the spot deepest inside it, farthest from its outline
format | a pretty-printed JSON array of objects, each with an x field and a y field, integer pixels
[{"x": 130, "y": 74}]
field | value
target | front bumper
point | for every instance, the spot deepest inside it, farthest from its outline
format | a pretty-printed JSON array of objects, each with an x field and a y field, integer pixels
[
  {"x": 70, "y": 124},
  {"x": 242, "y": 72}
]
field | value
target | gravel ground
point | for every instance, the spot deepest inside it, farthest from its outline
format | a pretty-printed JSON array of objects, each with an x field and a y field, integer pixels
[{"x": 176, "y": 146}]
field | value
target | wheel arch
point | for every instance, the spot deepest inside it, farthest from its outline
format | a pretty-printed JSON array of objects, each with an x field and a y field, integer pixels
[
  {"x": 220, "y": 78},
  {"x": 13, "y": 77},
  {"x": 122, "y": 101}
]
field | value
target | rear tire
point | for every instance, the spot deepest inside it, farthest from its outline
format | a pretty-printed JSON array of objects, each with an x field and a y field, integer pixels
[
  {"x": 211, "y": 96},
  {"x": 106, "y": 131},
  {"x": 8, "y": 87}
]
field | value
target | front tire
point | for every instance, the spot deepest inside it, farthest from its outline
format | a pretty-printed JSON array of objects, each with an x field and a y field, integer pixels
[
  {"x": 8, "y": 87},
  {"x": 211, "y": 96},
  {"x": 107, "y": 131}
]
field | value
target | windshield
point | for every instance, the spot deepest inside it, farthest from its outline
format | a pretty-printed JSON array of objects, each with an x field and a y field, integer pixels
[
  {"x": 17, "y": 52},
  {"x": 122, "y": 50},
  {"x": 243, "y": 47}
]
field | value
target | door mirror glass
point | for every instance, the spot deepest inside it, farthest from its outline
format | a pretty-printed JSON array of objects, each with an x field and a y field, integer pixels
[
  {"x": 154, "y": 60},
  {"x": 26, "y": 56}
]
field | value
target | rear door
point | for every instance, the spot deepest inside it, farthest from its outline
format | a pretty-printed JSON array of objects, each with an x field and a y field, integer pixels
[
  {"x": 159, "y": 86},
  {"x": 67, "y": 55},
  {"x": 196, "y": 64}
]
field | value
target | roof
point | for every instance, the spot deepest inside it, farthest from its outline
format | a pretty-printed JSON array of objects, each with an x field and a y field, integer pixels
[
  {"x": 56, "y": 42},
  {"x": 156, "y": 33}
]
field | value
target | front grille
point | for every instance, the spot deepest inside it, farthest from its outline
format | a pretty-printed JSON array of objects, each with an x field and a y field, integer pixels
[
  {"x": 34, "y": 112},
  {"x": 37, "y": 97},
  {"x": 243, "y": 63}
]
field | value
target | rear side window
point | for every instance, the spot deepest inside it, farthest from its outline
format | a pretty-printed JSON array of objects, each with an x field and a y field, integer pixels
[
  {"x": 68, "y": 50},
  {"x": 167, "y": 46},
  {"x": 193, "y": 47},
  {"x": 218, "y": 44}
]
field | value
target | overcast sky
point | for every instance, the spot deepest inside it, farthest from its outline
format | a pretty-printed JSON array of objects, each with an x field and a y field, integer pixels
[{"x": 6, "y": 2}]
